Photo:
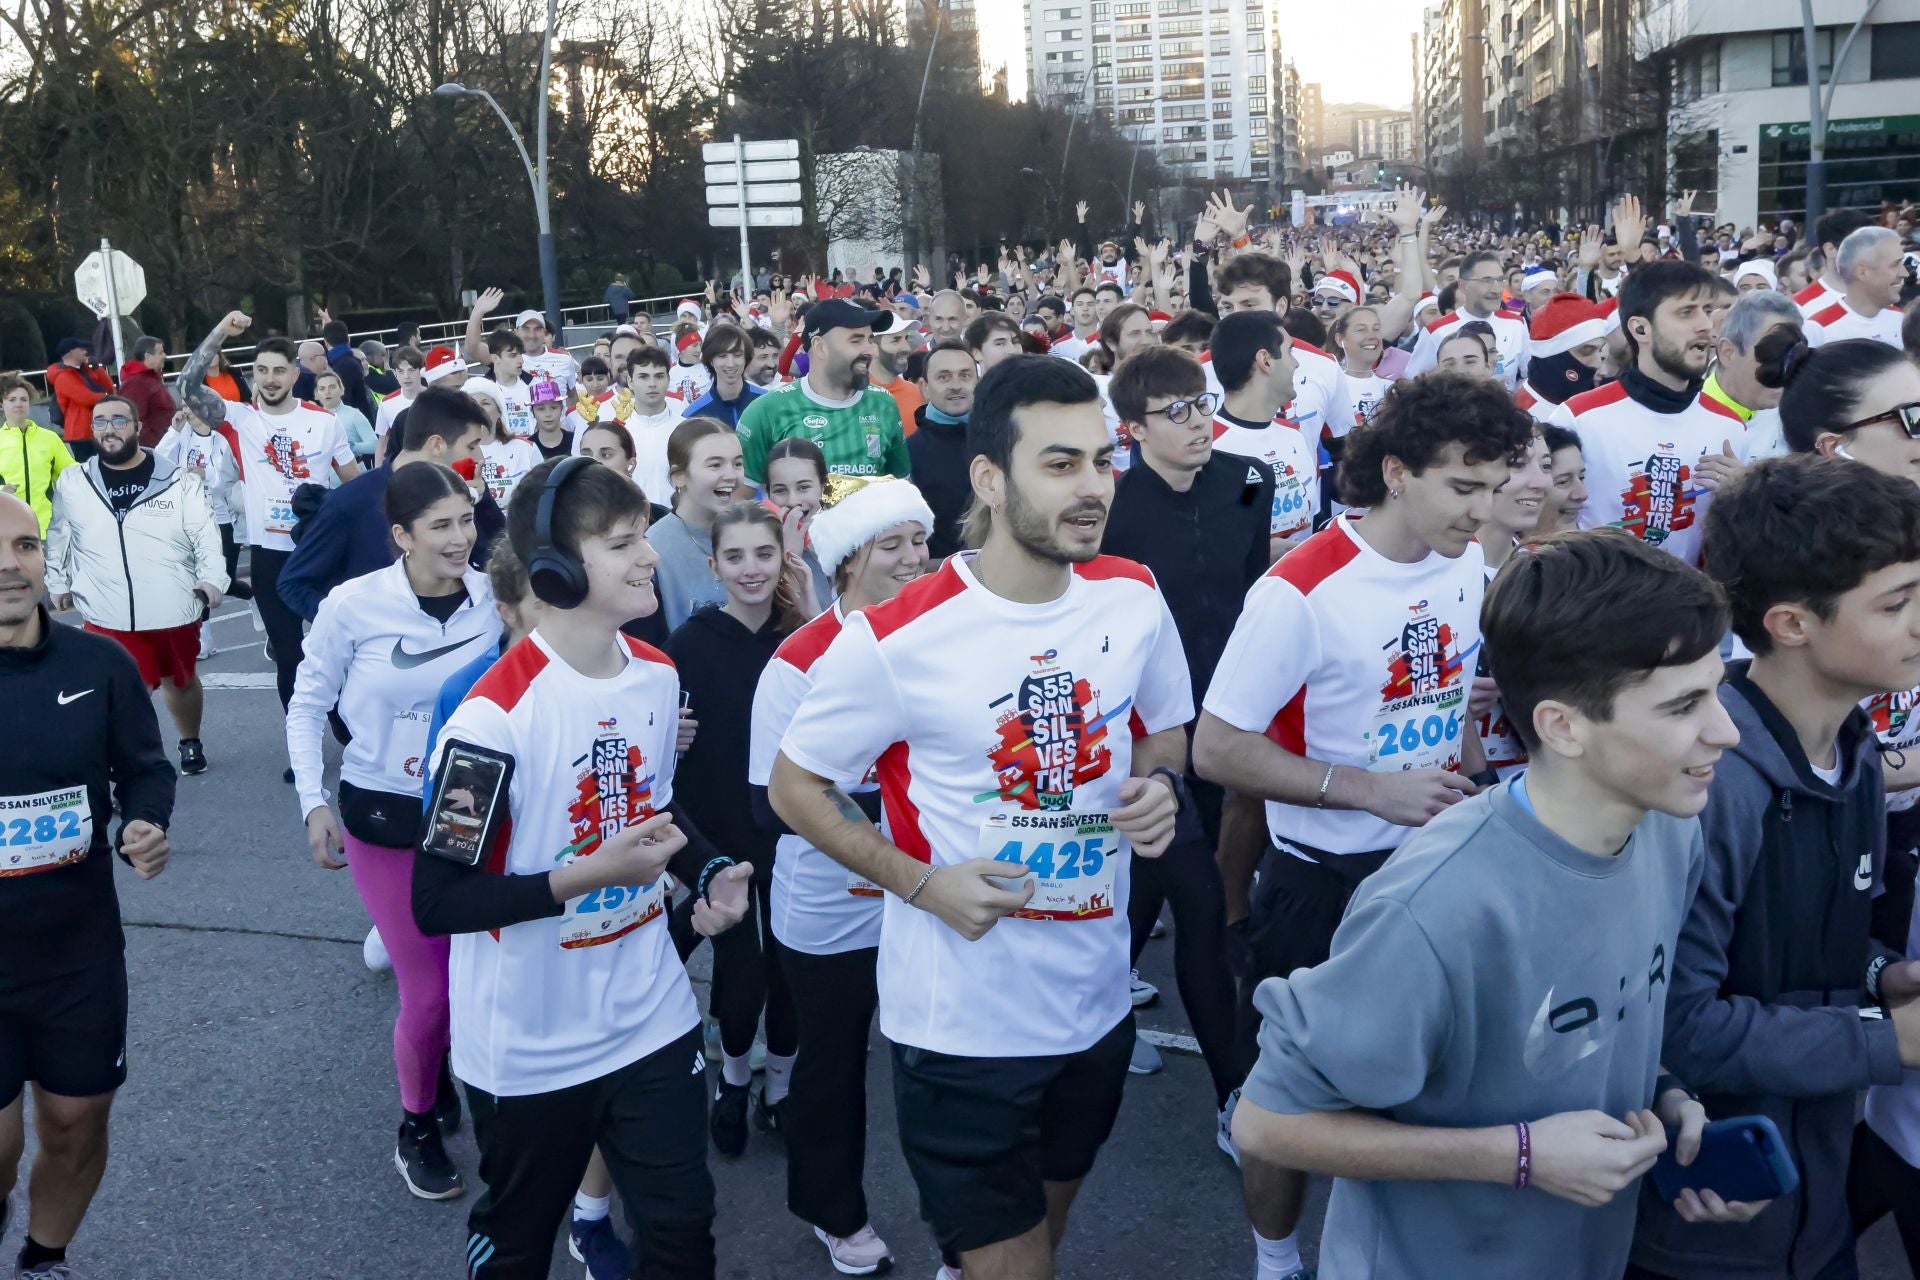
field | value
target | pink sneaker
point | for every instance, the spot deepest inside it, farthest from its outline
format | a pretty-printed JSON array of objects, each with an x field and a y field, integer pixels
[{"x": 861, "y": 1254}]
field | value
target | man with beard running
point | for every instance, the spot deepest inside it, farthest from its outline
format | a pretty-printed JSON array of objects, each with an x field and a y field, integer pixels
[
  {"x": 1655, "y": 447},
  {"x": 63, "y": 972},
  {"x": 1025, "y": 706},
  {"x": 856, "y": 424},
  {"x": 135, "y": 548},
  {"x": 280, "y": 444}
]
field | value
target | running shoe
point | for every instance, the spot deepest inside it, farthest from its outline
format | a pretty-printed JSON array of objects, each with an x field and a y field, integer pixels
[
  {"x": 193, "y": 757},
  {"x": 286, "y": 775},
  {"x": 446, "y": 1102},
  {"x": 1145, "y": 1060},
  {"x": 207, "y": 649},
  {"x": 1159, "y": 929},
  {"x": 947, "y": 1273},
  {"x": 1223, "y": 1130},
  {"x": 373, "y": 953},
  {"x": 863, "y": 1253},
  {"x": 49, "y": 1271},
  {"x": 766, "y": 1116},
  {"x": 600, "y": 1247},
  {"x": 1144, "y": 993},
  {"x": 727, "y": 1123},
  {"x": 423, "y": 1163}
]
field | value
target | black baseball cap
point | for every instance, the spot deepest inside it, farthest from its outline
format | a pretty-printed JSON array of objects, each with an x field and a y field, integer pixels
[{"x": 838, "y": 313}]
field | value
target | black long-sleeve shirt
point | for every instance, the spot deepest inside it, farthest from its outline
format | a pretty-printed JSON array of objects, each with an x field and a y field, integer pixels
[
  {"x": 78, "y": 716},
  {"x": 1206, "y": 546}
]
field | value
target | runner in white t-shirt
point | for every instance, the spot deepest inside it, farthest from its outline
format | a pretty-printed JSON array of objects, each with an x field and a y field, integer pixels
[
  {"x": 543, "y": 359},
  {"x": 280, "y": 443},
  {"x": 1342, "y": 695},
  {"x": 1254, "y": 352},
  {"x": 825, "y": 918},
  {"x": 1025, "y": 706},
  {"x": 573, "y": 1020},
  {"x": 409, "y": 370}
]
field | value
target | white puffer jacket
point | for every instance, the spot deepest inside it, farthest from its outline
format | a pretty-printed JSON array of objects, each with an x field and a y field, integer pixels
[{"x": 134, "y": 571}]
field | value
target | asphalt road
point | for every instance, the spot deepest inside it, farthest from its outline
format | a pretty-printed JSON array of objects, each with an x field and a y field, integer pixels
[{"x": 253, "y": 1139}]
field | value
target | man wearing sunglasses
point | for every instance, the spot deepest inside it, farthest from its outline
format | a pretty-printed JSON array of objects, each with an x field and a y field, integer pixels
[
  {"x": 1477, "y": 297},
  {"x": 135, "y": 548},
  {"x": 1874, "y": 271}
]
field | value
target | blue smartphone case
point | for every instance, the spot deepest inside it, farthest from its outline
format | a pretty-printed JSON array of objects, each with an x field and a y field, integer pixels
[{"x": 1741, "y": 1158}]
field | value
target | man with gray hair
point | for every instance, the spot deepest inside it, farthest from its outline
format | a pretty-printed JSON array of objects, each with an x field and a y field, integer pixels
[
  {"x": 312, "y": 358},
  {"x": 1872, "y": 271},
  {"x": 1734, "y": 383},
  {"x": 947, "y": 317}
]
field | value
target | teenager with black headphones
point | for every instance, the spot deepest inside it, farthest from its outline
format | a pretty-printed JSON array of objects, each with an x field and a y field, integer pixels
[{"x": 573, "y": 1019}]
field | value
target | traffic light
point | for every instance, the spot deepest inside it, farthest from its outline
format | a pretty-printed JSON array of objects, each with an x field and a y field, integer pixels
[{"x": 1380, "y": 173}]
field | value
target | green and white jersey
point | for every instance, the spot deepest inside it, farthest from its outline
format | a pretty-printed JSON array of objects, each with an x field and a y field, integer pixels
[{"x": 860, "y": 436}]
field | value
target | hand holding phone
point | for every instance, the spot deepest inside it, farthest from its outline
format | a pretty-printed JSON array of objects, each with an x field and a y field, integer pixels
[{"x": 1741, "y": 1164}]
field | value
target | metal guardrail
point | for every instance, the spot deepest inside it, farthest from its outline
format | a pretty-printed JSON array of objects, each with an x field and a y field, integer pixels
[{"x": 431, "y": 333}]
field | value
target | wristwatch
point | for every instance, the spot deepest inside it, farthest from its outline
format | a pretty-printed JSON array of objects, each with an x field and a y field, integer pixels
[{"x": 1176, "y": 784}]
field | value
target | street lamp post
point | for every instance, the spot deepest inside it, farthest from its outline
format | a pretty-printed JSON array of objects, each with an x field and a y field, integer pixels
[{"x": 536, "y": 176}]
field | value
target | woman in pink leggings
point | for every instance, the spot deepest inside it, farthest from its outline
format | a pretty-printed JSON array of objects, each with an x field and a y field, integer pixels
[{"x": 381, "y": 646}]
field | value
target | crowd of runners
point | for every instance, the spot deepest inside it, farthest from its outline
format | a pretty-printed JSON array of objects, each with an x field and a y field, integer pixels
[{"x": 923, "y": 651}]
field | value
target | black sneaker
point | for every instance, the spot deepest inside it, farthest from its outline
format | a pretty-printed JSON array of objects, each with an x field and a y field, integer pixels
[
  {"x": 727, "y": 1122},
  {"x": 446, "y": 1103},
  {"x": 193, "y": 757},
  {"x": 766, "y": 1115},
  {"x": 422, "y": 1160},
  {"x": 287, "y": 774}
]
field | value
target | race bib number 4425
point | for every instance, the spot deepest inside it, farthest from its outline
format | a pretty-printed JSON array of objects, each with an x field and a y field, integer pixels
[
  {"x": 1071, "y": 856},
  {"x": 44, "y": 831}
]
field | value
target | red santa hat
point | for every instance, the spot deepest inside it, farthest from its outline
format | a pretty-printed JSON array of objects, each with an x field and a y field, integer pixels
[
  {"x": 1565, "y": 322},
  {"x": 440, "y": 363},
  {"x": 1610, "y": 312},
  {"x": 1340, "y": 284},
  {"x": 1427, "y": 302},
  {"x": 1159, "y": 319}
]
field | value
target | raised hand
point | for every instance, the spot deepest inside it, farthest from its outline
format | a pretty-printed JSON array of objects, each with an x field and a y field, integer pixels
[
  {"x": 1589, "y": 256},
  {"x": 921, "y": 280},
  {"x": 1629, "y": 223},
  {"x": 1139, "y": 212},
  {"x": 1405, "y": 214},
  {"x": 235, "y": 323},
  {"x": 1080, "y": 211},
  {"x": 488, "y": 300},
  {"x": 1684, "y": 207}
]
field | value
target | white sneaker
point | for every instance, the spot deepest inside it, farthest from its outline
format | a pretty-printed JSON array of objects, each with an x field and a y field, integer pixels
[
  {"x": 861, "y": 1254},
  {"x": 1223, "y": 1131},
  {"x": 1144, "y": 993},
  {"x": 207, "y": 649},
  {"x": 947, "y": 1273},
  {"x": 374, "y": 953}
]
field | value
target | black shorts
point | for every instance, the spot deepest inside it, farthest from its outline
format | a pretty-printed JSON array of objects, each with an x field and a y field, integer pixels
[
  {"x": 982, "y": 1134},
  {"x": 67, "y": 1034},
  {"x": 1291, "y": 918}
]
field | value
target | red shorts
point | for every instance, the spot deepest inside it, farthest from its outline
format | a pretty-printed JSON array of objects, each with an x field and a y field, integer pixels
[{"x": 169, "y": 654}]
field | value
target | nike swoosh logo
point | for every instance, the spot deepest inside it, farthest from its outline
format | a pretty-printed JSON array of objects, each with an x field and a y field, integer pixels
[
  {"x": 1863, "y": 874},
  {"x": 64, "y": 698},
  {"x": 405, "y": 660}
]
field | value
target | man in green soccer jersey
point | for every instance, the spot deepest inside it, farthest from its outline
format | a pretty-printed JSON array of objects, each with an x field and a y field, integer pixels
[{"x": 856, "y": 425}]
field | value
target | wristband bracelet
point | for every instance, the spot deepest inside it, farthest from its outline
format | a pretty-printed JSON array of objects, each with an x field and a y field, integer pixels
[
  {"x": 1523, "y": 1164},
  {"x": 908, "y": 900},
  {"x": 714, "y": 867},
  {"x": 1320, "y": 801},
  {"x": 1243, "y": 242},
  {"x": 1875, "y": 967}
]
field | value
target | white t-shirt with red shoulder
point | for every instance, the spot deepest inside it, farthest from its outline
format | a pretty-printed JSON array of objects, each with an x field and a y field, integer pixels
[
  {"x": 1346, "y": 657},
  {"x": 558, "y": 365},
  {"x": 1509, "y": 334},
  {"x": 546, "y": 1004},
  {"x": 1837, "y": 322},
  {"x": 817, "y": 905},
  {"x": 276, "y": 454},
  {"x": 1815, "y": 297},
  {"x": 514, "y": 400},
  {"x": 1002, "y": 730},
  {"x": 1295, "y": 463},
  {"x": 1361, "y": 398},
  {"x": 688, "y": 382},
  {"x": 1640, "y": 464},
  {"x": 1527, "y": 398}
]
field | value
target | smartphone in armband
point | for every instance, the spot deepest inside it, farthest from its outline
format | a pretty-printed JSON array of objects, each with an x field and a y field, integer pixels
[
  {"x": 469, "y": 803},
  {"x": 1742, "y": 1158}
]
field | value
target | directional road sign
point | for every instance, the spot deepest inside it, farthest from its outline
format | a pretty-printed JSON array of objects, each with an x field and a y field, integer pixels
[
  {"x": 757, "y": 171},
  {"x": 787, "y": 216}
]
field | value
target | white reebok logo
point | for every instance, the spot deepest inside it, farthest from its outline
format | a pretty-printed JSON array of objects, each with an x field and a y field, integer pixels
[
  {"x": 64, "y": 698},
  {"x": 1863, "y": 874}
]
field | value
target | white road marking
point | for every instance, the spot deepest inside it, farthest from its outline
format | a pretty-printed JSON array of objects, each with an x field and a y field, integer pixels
[
  {"x": 239, "y": 680},
  {"x": 1168, "y": 1040}
]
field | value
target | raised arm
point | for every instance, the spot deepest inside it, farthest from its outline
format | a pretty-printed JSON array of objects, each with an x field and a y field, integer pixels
[
  {"x": 194, "y": 392},
  {"x": 476, "y": 340}
]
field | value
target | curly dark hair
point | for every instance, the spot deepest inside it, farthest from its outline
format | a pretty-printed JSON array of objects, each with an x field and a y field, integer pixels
[{"x": 1418, "y": 420}]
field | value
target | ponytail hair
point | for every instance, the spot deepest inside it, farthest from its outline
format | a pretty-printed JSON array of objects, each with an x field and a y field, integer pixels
[
  {"x": 1821, "y": 386},
  {"x": 789, "y": 590}
]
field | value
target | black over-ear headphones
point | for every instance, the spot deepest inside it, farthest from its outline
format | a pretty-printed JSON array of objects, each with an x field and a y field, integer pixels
[{"x": 556, "y": 577}]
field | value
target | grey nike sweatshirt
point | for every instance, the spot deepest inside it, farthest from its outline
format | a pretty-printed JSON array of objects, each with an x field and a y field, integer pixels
[{"x": 1490, "y": 972}]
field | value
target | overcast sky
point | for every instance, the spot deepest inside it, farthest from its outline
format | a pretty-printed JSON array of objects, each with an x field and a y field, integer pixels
[{"x": 1357, "y": 49}]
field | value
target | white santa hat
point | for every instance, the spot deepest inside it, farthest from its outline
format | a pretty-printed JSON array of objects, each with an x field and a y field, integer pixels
[
  {"x": 863, "y": 514},
  {"x": 441, "y": 362},
  {"x": 688, "y": 307},
  {"x": 1758, "y": 267},
  {"x": 1565, "y": 322},
  {"x": 1535, "y": 277}
]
